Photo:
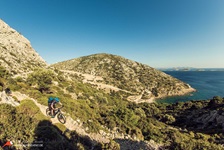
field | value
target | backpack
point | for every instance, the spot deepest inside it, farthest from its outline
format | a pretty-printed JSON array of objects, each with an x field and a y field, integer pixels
[{"x": 50, "y": 99}]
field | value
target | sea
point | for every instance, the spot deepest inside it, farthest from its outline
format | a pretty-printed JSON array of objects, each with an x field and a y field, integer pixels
[{"x": 207, "y": 83}]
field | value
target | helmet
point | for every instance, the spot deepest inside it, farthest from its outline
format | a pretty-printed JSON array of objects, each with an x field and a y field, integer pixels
[{"x": 57, "y": 99}]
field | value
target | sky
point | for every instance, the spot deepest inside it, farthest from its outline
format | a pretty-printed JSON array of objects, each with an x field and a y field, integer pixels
[{"x": 159, "y": 33}]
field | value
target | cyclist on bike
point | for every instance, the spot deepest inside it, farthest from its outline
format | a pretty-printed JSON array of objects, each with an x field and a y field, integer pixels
[{"x": 52, "y": 101}]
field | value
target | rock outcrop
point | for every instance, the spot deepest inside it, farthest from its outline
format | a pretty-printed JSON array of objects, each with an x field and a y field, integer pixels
[
  {"x": 4, "y": 98},
  {"x": 16, "y": 52}
]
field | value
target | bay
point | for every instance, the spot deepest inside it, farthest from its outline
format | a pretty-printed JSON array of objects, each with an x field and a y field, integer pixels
[{"x": 207, "y": 83}]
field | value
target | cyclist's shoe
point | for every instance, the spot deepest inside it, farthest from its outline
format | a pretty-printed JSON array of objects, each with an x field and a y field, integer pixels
[{"x": 52, "y": 116}]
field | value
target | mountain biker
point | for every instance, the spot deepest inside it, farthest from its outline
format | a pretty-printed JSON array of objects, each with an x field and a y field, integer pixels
[{"x": 52, "y": 101}]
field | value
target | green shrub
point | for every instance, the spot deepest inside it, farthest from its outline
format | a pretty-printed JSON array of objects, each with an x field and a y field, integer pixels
[
  {"x": 41, "y": 78},
  {"x": 112, "y": 145},
  {"x": 12, "y": 84},
  {"x": 3, "y": 72},
  {"x": 70, "y": 89},
  {"x": 169, "y": 119},
  {"x": 2, "y": 83},
  {"x": 216, "y": 100},
  {"x": 33, "y": 93},
  {"x": 16, "y": 125},
  {"x": 140, "y": 112},
  {"x": 19, "y": 79}
]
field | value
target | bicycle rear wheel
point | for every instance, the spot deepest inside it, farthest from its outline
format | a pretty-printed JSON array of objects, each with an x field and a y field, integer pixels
[
  {"x": 48, "y": 112},
  {"x": 61, "y": 118}
]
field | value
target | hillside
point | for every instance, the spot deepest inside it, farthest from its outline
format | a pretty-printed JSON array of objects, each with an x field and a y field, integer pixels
[
  {"x": 96, "y": 107},
  {"x": 16, "y": 52},
  {"x": 140, "y": 80}
]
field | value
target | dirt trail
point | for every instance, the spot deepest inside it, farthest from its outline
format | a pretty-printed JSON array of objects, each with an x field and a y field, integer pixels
[
  {"x": 94, "y": 80},
  {"x": 138, "y": 98},
  {"x": 70, "y": 123},
  {"x": 77, "y": 126}
]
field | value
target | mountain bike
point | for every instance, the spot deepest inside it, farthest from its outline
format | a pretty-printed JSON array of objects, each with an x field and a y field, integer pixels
[{"x": 60, "y": 116}]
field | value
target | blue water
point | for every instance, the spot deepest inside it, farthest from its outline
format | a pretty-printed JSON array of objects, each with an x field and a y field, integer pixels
[{"x": 207, "y": 83}]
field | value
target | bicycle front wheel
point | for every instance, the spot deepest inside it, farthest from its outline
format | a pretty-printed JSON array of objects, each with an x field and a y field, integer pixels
[{"x": 61, "y": 118}]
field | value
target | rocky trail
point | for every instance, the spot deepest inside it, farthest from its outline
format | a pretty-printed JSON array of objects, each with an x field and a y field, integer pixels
[
  {"x": 76, "y": 125},
  {"x": 96, "y": 80},
  {"x": 70, "y": 124}
]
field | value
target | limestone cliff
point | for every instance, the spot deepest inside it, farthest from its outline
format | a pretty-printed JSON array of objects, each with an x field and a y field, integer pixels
[{"x": 16, "y": 52}]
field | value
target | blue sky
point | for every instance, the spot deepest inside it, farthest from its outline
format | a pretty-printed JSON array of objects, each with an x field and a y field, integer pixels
[{"x": 159, "y": 33}]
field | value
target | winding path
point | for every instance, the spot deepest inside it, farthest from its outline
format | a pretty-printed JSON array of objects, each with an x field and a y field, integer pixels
[{"x": 70, "y": 123}]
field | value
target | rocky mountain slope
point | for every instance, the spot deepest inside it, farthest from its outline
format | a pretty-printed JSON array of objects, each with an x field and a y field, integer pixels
[
  {"x": 16, "y": 52},
  {"x": 96, "y": 118},
  {"x": 201, "y": 116},
  {"x": 141, "y": 80}
]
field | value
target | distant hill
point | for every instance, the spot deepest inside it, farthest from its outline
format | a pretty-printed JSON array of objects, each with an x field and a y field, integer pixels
[
  {"x": 127, "y": 75},
  {"x": 190, "y": 69},
  {"x": 16, "y": 52}
]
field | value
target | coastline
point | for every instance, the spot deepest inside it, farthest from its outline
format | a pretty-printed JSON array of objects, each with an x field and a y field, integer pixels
[
  {"x": 138, "y": 99},
  {"x": 185, "y": 92}
]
